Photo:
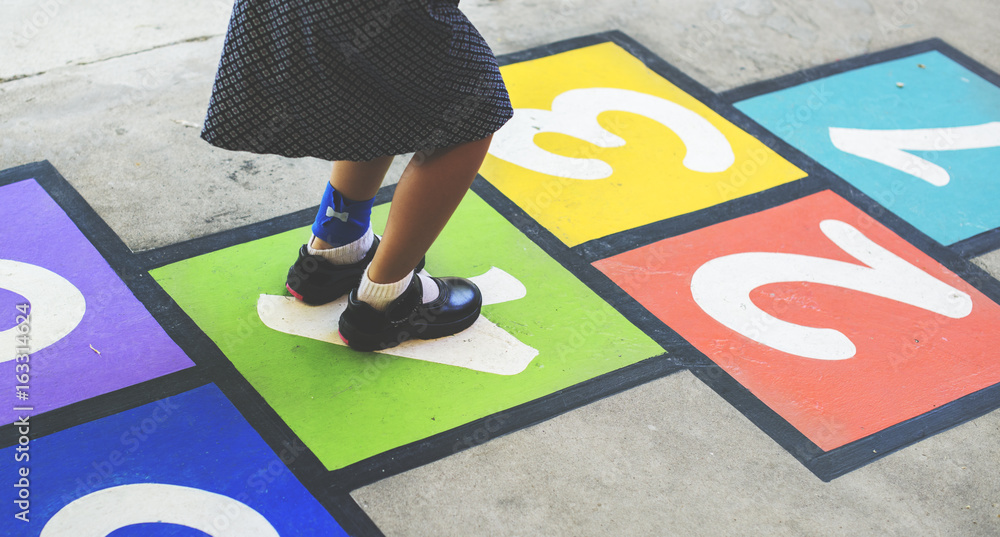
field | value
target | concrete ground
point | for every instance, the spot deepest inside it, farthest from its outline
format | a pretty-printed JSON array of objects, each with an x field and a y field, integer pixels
[{"x": 113, "y": 95}]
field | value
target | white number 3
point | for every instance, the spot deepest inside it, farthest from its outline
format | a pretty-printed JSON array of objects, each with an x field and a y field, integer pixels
[{"x": 574, "y": 113}]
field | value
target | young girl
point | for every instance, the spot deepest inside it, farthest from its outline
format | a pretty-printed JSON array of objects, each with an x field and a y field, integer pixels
[{"x": 357, "y": 82}]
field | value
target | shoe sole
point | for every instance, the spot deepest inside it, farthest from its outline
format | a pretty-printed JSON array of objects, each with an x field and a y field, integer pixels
[
  {"x": 319, "y": 295},
  {"x": 388, "y": 339}
]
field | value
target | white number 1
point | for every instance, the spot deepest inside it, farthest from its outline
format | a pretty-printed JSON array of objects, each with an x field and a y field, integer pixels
[{"x": 889, "y": 147}]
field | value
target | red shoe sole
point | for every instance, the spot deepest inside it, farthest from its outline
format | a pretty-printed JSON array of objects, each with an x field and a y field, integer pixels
[{"x": 296, "y": 295}]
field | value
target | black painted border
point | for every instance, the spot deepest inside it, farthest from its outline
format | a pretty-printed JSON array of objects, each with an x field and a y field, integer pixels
[
  {"x": 210, "y": 365},
  {"x": 968, "y": 248}
]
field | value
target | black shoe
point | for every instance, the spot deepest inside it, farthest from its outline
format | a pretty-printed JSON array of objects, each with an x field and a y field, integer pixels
[
  {"x": 456, "y": 308},
  {"x": 316, "y": 281}
]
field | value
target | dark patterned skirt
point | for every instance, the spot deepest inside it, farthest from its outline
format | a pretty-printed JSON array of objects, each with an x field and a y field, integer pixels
[{"x": 353, "y": 79}]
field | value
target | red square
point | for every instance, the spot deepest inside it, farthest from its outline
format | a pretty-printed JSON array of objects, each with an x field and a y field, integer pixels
[{"x": 832, "y": 320}]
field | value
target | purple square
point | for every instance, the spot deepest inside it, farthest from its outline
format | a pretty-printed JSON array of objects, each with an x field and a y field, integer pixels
[{"x": 110, "y": 340}]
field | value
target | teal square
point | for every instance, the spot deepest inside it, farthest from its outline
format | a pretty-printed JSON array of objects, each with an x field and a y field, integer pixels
[{"x": 947, "y": 117}]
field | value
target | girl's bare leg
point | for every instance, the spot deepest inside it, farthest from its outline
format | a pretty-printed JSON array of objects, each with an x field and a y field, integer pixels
[{"x": 427, "y": 195}]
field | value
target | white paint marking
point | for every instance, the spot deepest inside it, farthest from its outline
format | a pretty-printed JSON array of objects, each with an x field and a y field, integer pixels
[
  {"x": 575, "y": 112},
  {"x": 100, "y": 513},
  {"x": 482, "y": 347},
  {"x": 498, "y": 287},
  {"x": 57, "y": 306},
  {"x": 722, "y": 286},
  {"x": 889, "y": 147}
]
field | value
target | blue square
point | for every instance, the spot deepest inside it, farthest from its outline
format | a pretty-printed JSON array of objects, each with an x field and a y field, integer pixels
[{"x": 186, "y": 465}]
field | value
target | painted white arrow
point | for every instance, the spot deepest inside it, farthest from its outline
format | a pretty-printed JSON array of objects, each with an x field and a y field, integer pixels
[
  {"x": 482, "y": 347},
  {"x": 574, "y": 113},
  {"x": 722, "y": 286},
  {"x": 57, "y": 306},
  {"x": 889, "y": 147},
  {"x": 100, "y": 513}
]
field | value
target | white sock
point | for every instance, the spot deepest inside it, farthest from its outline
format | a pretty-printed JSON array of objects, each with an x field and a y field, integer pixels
[
  {"x": 380, "y": 295},
  {"x": 348, "y": 253},
  {"x": 431, "y": 290}
]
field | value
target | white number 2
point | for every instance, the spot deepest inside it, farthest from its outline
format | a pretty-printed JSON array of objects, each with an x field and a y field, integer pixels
[{"x": 722, "y": 286}]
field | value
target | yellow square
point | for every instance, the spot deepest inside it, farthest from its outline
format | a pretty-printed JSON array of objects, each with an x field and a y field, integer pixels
[{"x": 600, "y": 143}]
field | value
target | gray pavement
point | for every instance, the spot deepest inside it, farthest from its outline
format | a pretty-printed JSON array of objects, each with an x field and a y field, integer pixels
[{"x": 113, "y": 95}]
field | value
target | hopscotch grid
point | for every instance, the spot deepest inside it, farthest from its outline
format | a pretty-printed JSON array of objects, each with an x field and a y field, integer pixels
[
  {"x": 845, "y": 459},
  {"x": 332, "y": 487},
  {"x": 433, "y": 448},
  {"x": 818, "y": 179}
]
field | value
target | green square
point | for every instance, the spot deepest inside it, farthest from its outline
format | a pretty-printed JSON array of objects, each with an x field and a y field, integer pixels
[{"x": 347, "y": 405}]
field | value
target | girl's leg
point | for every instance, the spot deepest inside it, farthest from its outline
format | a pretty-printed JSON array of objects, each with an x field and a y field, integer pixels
[
  {"x": 428, "y": 193},
  {"x": 392, "y": 304},
  {"x": 342, "y": 245}
]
